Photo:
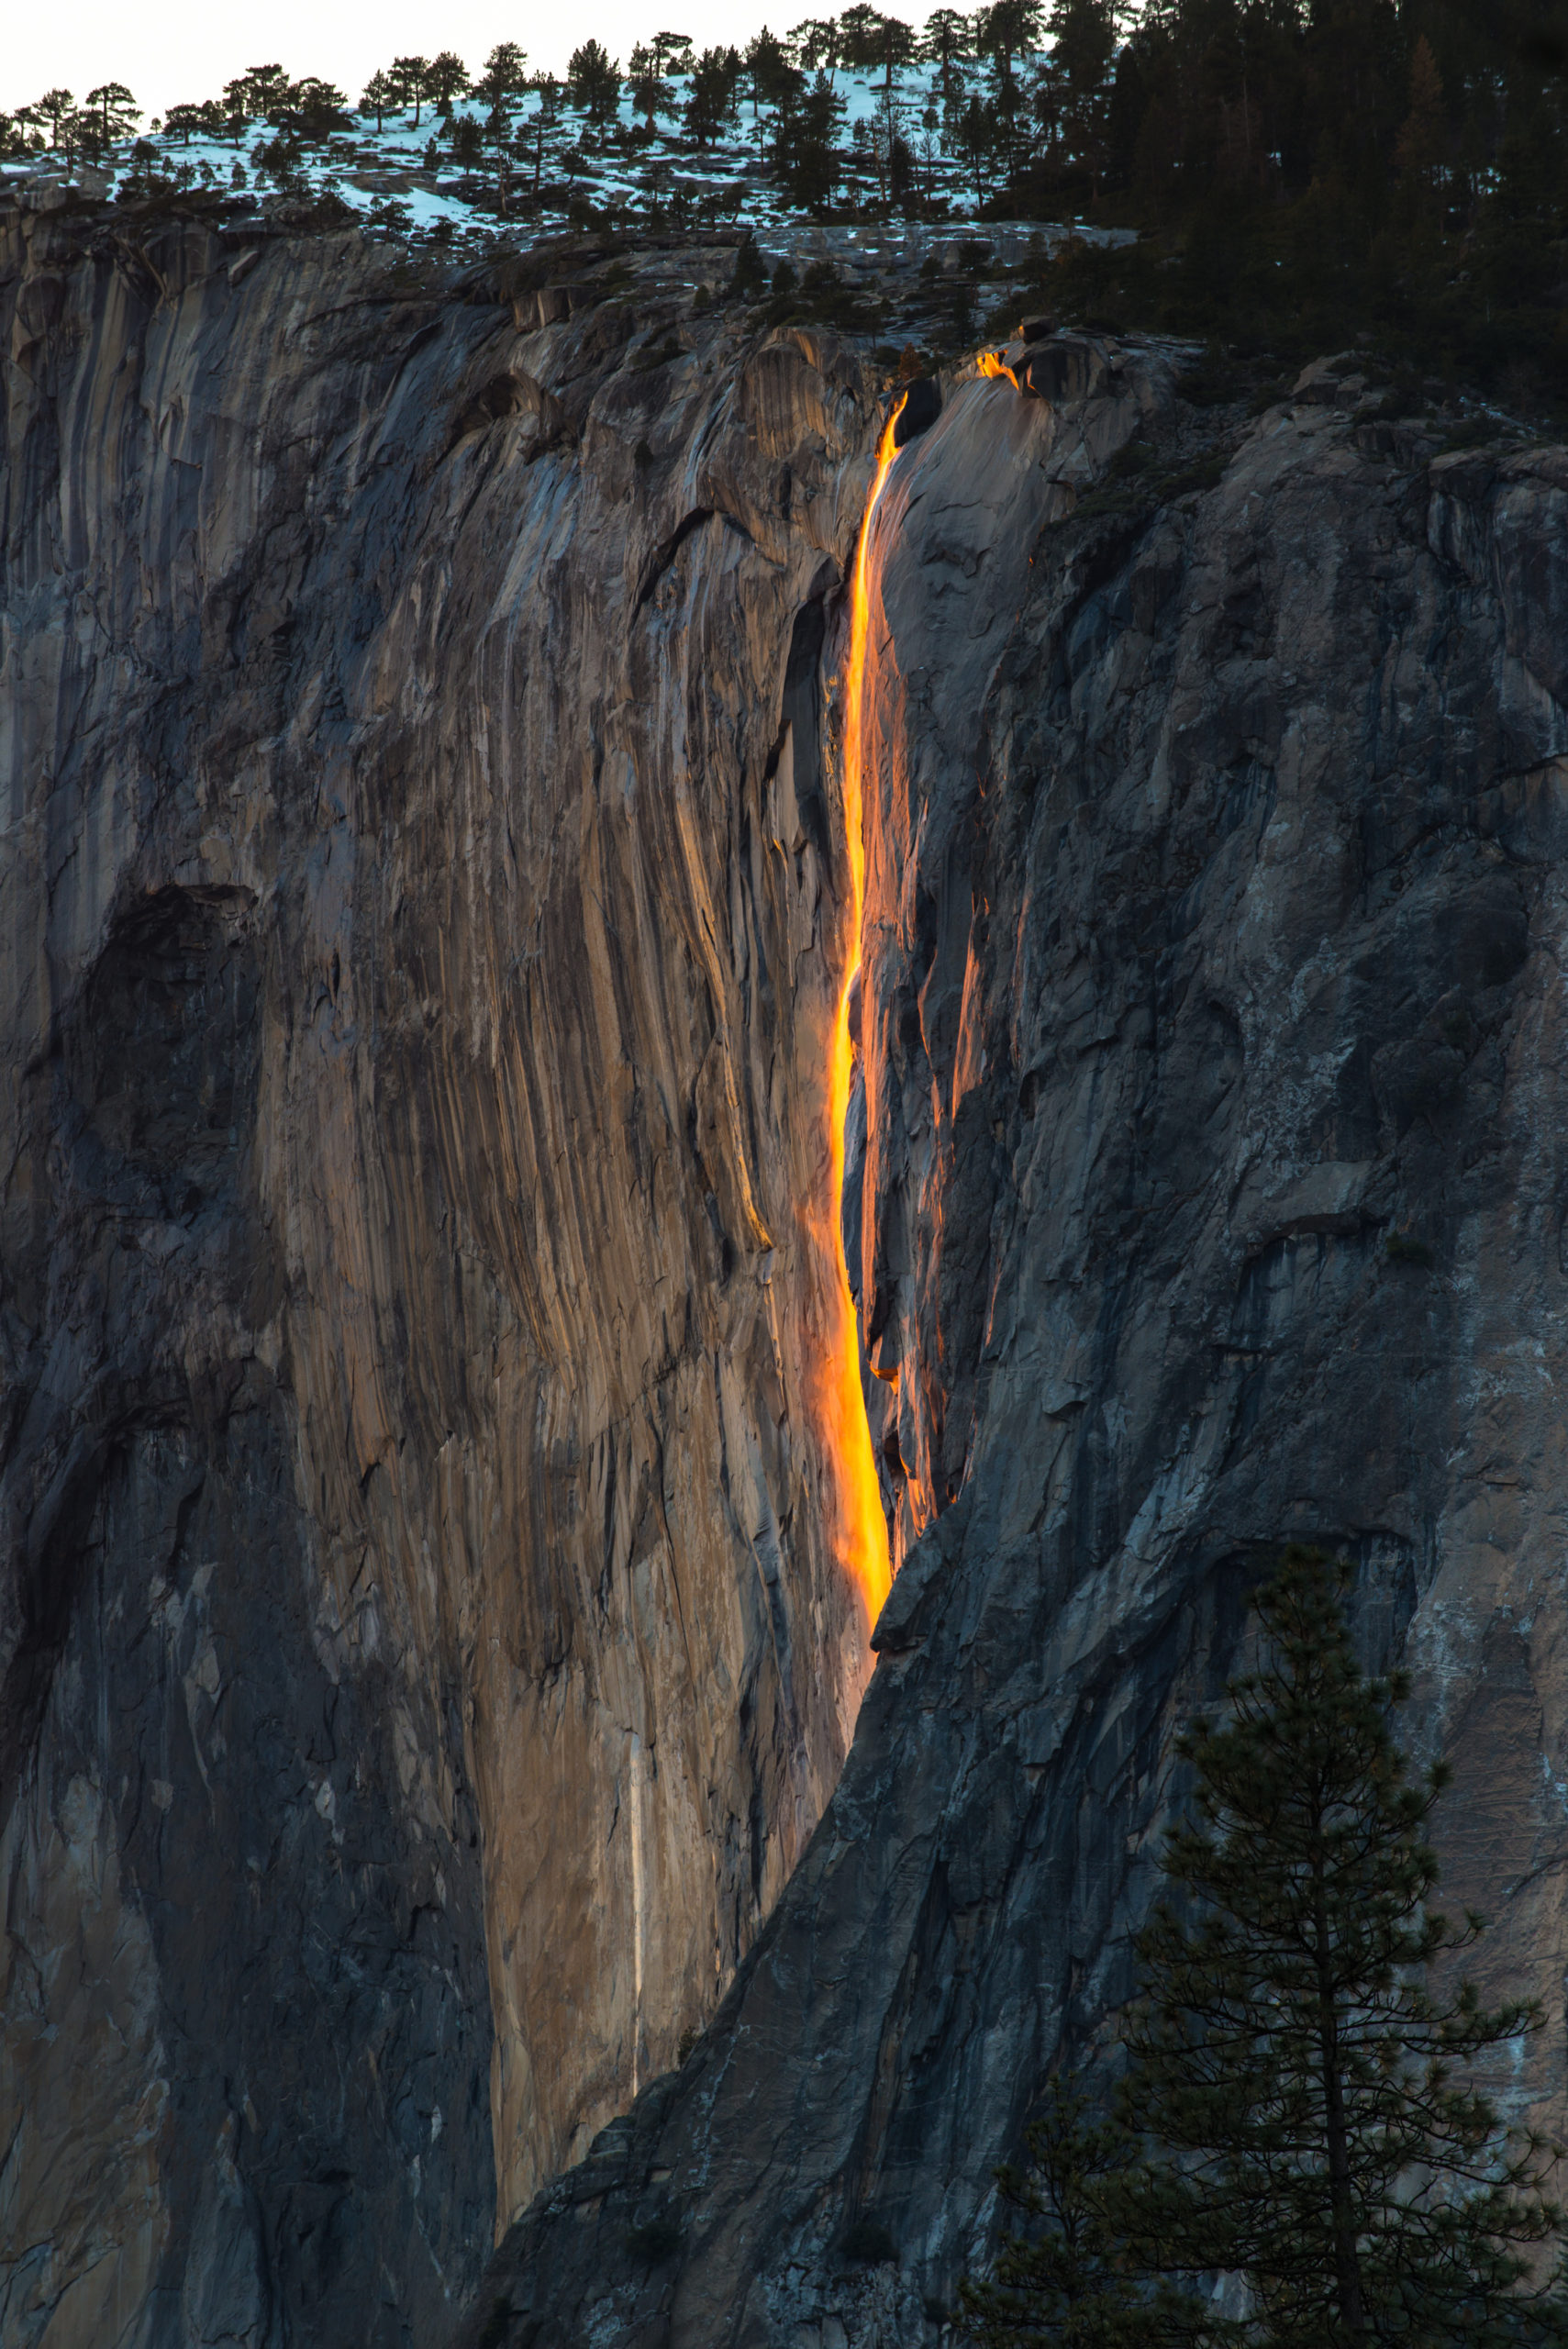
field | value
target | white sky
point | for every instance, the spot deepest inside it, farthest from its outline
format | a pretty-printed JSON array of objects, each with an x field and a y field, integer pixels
[{"x": 186, "y": 50}]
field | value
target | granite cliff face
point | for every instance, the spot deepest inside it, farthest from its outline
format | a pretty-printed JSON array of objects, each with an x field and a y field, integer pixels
[
  {"x": 1214, "y": 1196},
  {"x": 425, "y": 1658}
]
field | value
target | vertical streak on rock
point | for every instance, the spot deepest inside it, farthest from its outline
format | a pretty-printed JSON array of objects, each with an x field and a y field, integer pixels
[
  {"x": 862, "y": 1529},
  {"x": 876, "y": 781},
  {"x": 639, "y": 1772}
]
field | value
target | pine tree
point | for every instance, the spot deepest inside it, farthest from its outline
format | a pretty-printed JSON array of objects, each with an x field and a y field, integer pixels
[
  {"x": 19, "y": 133},
  {"x": 446, "y": 80},
  {"x": 947, "y": 42},
  {"x": 816, "y": 46},
  {"x": 181, "y": 121},
  {"x": 1007, "y": 29},
  {"x": 315, "y": 109},
  {"x": 750, "y": 274},
  {"x": 805, "y": 143},
  {"x": 974, "y": 137},
  {"x": 81, "y": 134},
  {"x": 1290, "y": 2114},
  {"x": 501, "y": 85},
  {"x": 231, "y": 111},
  {"x": 1064, "y": 2281},
  {"x": 1290, "y": 2067},
  {"x": 649, "y": 91},
  {"x": 466, "y": 144},
  {"x": 54, "y": 106},
  {"x": 116, "y": 109},
  {"x": 541, "y": 125},
  {"x": 379, "y": 97},
  {"x": 411, "y": 77},
  {"x": 592, "y": 81},
  {"x": 768, "y": 69},
  {"x": 1075, "y": 87},
  {"x": 711, "y": 98},
  {"x": 258, "y": 90},
  {"x": 896, "y": 46},
  {"x": 505, "y": 73},
  {"x": 1422, "y": 147},
  {"x": 860, "y": 37},
  {"x": 674, "y": 52}
]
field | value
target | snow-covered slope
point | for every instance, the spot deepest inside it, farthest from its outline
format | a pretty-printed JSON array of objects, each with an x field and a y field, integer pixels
[{"x": 402, "y": 175}]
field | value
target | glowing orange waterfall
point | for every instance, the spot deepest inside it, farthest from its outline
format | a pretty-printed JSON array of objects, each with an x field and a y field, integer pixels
[{"x": 862, "y": 1529}]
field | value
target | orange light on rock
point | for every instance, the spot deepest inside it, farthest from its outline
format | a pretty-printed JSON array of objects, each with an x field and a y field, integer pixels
[
  {"x": 861, "y": 1532},
  {"x": 991, "y": 363}
]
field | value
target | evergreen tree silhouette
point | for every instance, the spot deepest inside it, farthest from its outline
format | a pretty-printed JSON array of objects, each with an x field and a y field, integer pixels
[{"x": 1298, "y": 2108}]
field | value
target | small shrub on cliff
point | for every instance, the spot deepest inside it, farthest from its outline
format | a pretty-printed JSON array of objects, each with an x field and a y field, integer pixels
[
  {"x": 1293, "y": 2113},
  {"x": 388, "y": 216},
  {"x": 750, "y": 273}
]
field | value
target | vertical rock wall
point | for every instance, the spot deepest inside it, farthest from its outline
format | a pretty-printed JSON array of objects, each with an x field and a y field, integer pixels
[
  {"x": 423, "y": 1658},
  {"x": 424, "y": 1664},
  {"x": 1214, "y": 1196}
]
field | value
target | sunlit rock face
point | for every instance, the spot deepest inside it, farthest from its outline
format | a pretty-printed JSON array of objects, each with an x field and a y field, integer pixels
[
  {"x": 428, "y": 1664},
  {"x": 1211, "y": 1194},
  {"x": 425, "y": 1654}
]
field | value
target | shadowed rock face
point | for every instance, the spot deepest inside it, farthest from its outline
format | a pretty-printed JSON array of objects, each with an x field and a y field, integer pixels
[
  {"x": 422, "y": 1659},
  {"x": 424, "y": 1664},
  {"x": 1213, "y": 1196}
]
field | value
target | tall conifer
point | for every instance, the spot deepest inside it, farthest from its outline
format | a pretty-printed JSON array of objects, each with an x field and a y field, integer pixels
[
  {"x": 1289, "y": 2062},
  {"x": 1296, "y": 2111},
  {"x": 1065, "y": 2280}
]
